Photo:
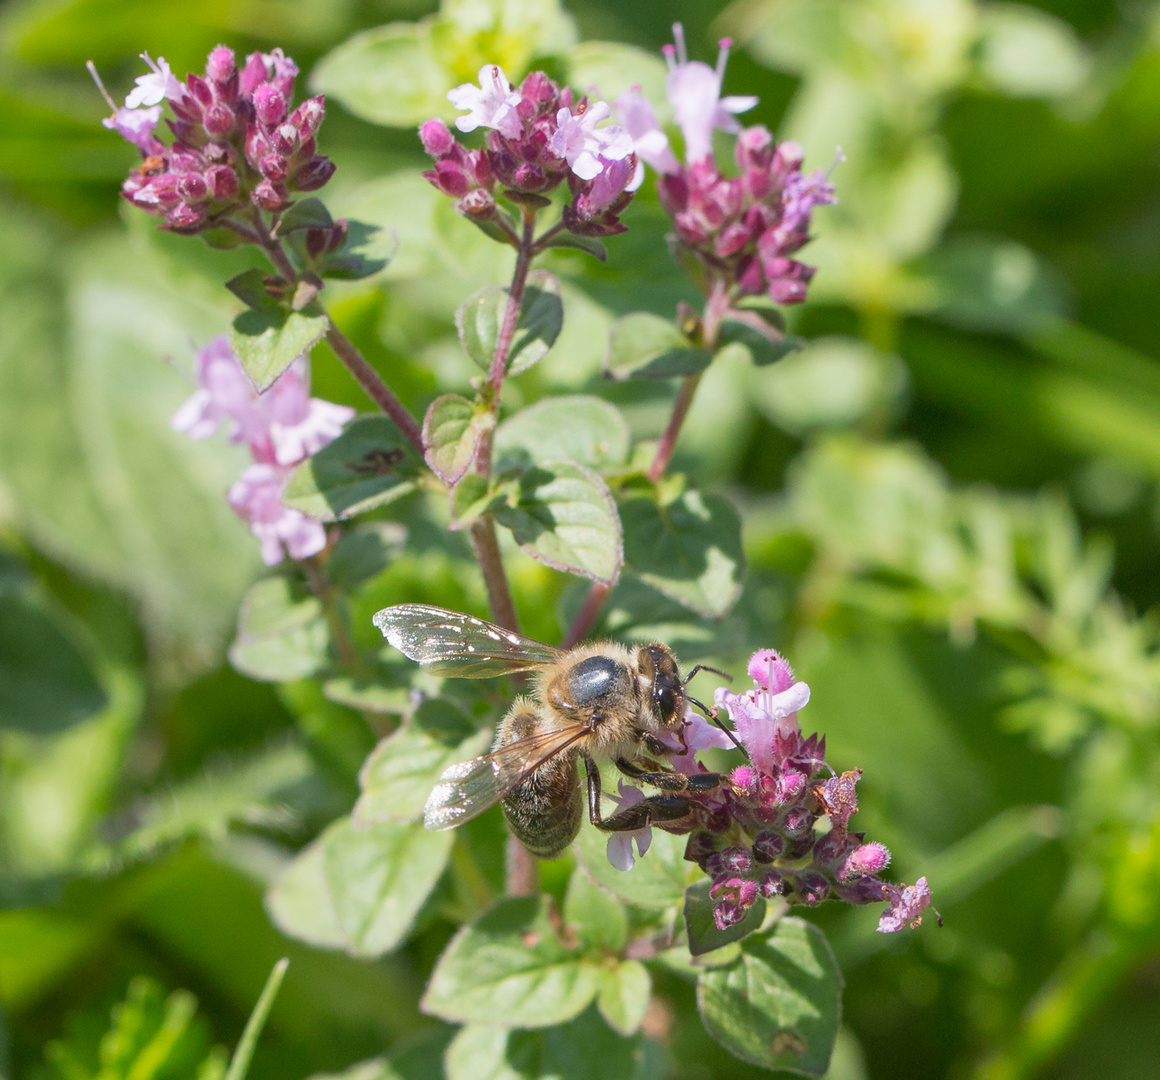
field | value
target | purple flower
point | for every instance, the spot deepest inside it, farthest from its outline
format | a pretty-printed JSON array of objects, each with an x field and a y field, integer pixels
[
  {"x": 620, "y": 843},
  {"x": 583, "y": 145},
  {"x": 768, "y": 710},
  {"x": 156, "y": 87},
  {"x": 694, "y": 91},
  {"x": 135, "y": 126},
  {"x": 492, "y": 104},
  {"x": 636, "y": 113},
  {"x": 906, "y": 906},
  {"x": 697, "y": 734},
  {"x": 257, "y": 498}
]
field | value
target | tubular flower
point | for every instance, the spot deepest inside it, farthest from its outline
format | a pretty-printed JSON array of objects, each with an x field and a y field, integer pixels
[
  {"x": 743, "y": 229},
  {"x": 236, "y": 142},
  {"x": 537, "y": 137},
  {"x": 781, "y": 825},
  {"x": 282, "y": 427}
]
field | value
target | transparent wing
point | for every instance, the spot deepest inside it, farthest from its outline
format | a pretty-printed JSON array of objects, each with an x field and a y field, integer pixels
[
  {"x": 469, "y": 788},
  {"x": 449, "y": 643}
]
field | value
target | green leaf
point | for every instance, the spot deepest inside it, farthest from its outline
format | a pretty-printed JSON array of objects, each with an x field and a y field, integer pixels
[
  {"x": 304, "y": 214},
  {"x": 563, "y": 515},
  {"x": 389, "y": 75},
  {"x": 451, "y": 433},
  {"x": 244, "y": 1053},
  {"x": 645, "y": 346},
  {"x": 588, "y": 244},
  {"x": 510, "y": 968},
  {"x": 762, "y": 343},
  {"x": 399, "y": 774},
  {"x": 359, "y": 890},
  {"x": 583, "y": 1049},
  {"x": 371, "y": 463},
  {"x": 363, "y": 551},
  {"x": 367, "y": 250},
  {"x": 1024, "y": 52},
  {"x": 624, "y": 995},
  {"x": 779, "y": 1007},
  {"x": 658, "y": 879},
  {"x": 480, "y": 317},
  {"x": 282, "y": 634},
  {"x": 367, "y": 694},
  {"x": 597, "y": 917},
  {"x": 704, "y": 937},
  {"x": 250, "y": 287},
  {"x": 469, "y": 499},
  {"x": 577, "y": 427},
  {"x": 269, "y": 340},
  {"x": 46, "y": 684},
  {"x": 689, "y": 549}
]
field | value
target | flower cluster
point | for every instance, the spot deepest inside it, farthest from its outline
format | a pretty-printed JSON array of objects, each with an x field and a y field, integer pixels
[
  {"x": 780, "y": 827},
  {"x": 236, "y": 143},
  {"x": 745, "y": 228},
  {"x": 538, "y": 136},
  {"x": 282, "y": 427}
]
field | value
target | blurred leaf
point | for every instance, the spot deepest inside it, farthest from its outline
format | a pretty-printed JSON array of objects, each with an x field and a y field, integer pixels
[
  {"x": 371, "y": 463},
  {"x": 588, "y": 244},
  {"x": 609, "y": 68},
  {"x": 1026, "y": 52},
  {"x": 583, "y": 1049},
  {"x": 779, "y": 1006},
  {"x": 46, "y": 683},
  {"x": 281, "y": 633},
  {"x": 244, "y": 1052},
  {"x": 268, "y": 339},
  {"x": 363, "y": 693},
  {"x": 541, "y": 318},
  {"x": 366, "y": 250},
  {"x": 762, "y": 346},
  {"x": 704, "y": 937},
  {"x": 363, "y": 551},
  {"x": 579, "y": 428},
  {"x": 658, "y": 879},
  {"x": 308, "y": 213},
  {"x": 597, "y": 917},
  {"x": 402, "y": 770},
  {"x": 625, "y": 991},
  {"x": 359, "y": 890},
  {"x": 832, "y": 382},
  {"x": 451, "y": 433},
  {"x": 563, "y": 515},
  {"x": 644, "y": 346},
  {"x": 689, "y": 549},
  {"x": 509, "y": 967}
]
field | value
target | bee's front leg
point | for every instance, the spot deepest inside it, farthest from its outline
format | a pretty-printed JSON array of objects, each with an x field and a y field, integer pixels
[
  {"x": 695, "y": 783},
  {"x": 653, "y": 810}
]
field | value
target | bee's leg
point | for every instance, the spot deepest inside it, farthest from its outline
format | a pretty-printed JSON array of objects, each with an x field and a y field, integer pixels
[
  {"x": 672, "y": 781},
  {"x": 655, "y": 809}
]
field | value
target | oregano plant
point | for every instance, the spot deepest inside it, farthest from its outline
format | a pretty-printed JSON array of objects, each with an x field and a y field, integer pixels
[{"x": 560, "y": 962}]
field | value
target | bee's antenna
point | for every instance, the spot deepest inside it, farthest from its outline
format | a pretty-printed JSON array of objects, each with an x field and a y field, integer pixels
[
  {"x": 705, "y": 667},
  {"x": 713, "y": 718}
]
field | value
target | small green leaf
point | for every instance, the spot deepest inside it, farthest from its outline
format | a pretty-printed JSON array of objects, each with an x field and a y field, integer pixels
[
  {"x": 359, "y": 890},
  {"x": 46, "y": 684},
  {"x": 510, "y": 968},
  {"x": 399, "y": 774},
  {"x": 363, "y": 551},
  {"x": 577, "y": 427},
  {"x": 563, "y": 515},
  {"x": 588, "y": 244},
  {"x": 282, "y": 634},
  {"x": 689, "y": 549},
  {"x": 624, "y": 995},
  {"x": 367, "y": 695},
  {"x": 389, "y": 75},
  {"x": 268, "y": 340},
  {"x": 779, "y": 1007},
  {"x": 762, "y": 343},
  {"x": 451, "y": 433},
  {"x": 366, "y": 250},
  {"x": 371, "y": 463},
  {"x": 541, "y": 318},
  {"x": 658, "y": 879},
  {"x": 584, "y": 1049},
  {"x": 250, "y": 287},
  {"x": 644, "y": 346},
  {"x": 704, "y": 937},
  {"x": 304, "y": 214},
  {"x": 597, "y": 917},
  {"x": 469, "y": 499}
]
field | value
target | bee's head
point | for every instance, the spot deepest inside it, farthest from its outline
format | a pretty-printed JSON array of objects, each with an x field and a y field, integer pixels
[{"x": 663, "y": 685}]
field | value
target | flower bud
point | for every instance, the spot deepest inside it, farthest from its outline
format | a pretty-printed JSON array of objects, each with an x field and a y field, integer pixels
[
  {"x": 529, "y": 177},
  {"x": 754, "y": 148},
  {"x": 736, "y": 860},
  {"x": 185, "y": 218},
  {"x": 767, "y": 846},
  {"x": 731, "y": 240},
  {"x": 218, "y": 121},
  {"x": 269, "y": 105},
  {"x": 314, "y": 174},
  {"x": 771, "y": 884},
  {"x": 285, "y": 139},
  {"x": 192, "y": 187},
  {"x": 727, "y": 913},
  {"x": 436, "y": 138},
  {"x": 222, "y": 182},
  {"x": 270, "y": 195},
  {"x": 274, "y": 167},
  {"x": 811, "y": 888},
  {"x": 450, "y": 178},
  {"x": 221, "y": 65},
  {"x": 477, "y": 204},
  {"x": 798, "y": 823},
  {"x": 253, "y": 75},
  {"x": 868, "y": 859},
  {"x": 218, "y": 154},
  {"x": 199, "y": 88}
]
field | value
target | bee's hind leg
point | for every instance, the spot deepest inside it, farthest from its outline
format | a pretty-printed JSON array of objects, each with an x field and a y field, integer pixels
[
  {"x": 696, "y": 783},
  {"x": 650, "y": 811}
]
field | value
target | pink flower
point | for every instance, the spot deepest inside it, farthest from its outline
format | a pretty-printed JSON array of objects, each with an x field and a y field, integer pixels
[
  {"x": 698, "y": 734},
  {"x": 636, "y": 113},
  {"x": 156, "y": 87},
  {"x": 257, "y": 498},
  {"x": 694, "y": 91},
  {"x": 135, "y": 126},
  {"x": 582, "y": 145},
  {"x": 768, "y": 710},
  {"x": 492, "y": 104},
  {"x": 906, "y": 906},
  {"x": 620, "y": 843}
]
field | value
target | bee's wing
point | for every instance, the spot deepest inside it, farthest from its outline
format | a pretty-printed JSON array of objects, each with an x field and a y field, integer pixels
[
  {"x": 469, "y": 788},
  {"x": 448, "y": 643}
]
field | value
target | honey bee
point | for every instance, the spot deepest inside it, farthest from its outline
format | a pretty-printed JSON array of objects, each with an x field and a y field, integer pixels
[{"x": 602, "y": 701}]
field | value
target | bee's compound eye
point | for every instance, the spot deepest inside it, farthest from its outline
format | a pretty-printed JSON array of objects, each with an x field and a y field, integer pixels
[{"x": 666, "y": 702}]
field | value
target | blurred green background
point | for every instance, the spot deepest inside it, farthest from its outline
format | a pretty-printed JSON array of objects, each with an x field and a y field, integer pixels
[{"x": 950, "y": 506}]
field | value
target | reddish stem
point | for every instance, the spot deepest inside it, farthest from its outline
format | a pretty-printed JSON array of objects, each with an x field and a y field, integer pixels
[{"x": 586, "y": 616}]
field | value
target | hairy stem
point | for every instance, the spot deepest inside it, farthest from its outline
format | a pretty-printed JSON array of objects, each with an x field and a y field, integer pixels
[
  {"x": 369, "y": 380},
  {"x": 274, "y": 249},
  {"x": 485, "y": 544},
  {"x": 521, "y": 872},
  {"x": 335, "y": 620}
]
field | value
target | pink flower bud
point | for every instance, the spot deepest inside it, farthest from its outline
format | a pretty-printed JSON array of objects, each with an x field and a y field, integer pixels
[
  {"x": 754, "y": 149},
  {"x": 218, "y": 154},
  {"x": 750, "y": 279},
  {"x": 269, "y": 105},
  {"x": 253, "y": 75},
  {"x": 223, "y": 183},
  {"x": 257, "y": 145},
  {"x": 731, "y": 240},
  {"x": 771, "y": 884},
  {"x": 767, "y": 846},
  {"x": 477, "y": 204},
  {"x": 200, "y": 89},
  {"x": 192, "y": 187},
  {"x": 285, "y": 139},
  {"x": 307, "y": 118},
  {"x": 868, "y": 859},
  {"x": 221, "y": 66},
  {"x": 450, "y": 178},
  {"x": 812, "y": 888},
  {"x": 436, "y": 138},
  {"x": 274, "y": 167},
  {"x": 529, "y": 177},
  {"x": 314, "y": 174},
  {"x": 736, "y": 860},
  {"x": 270, "y": 195},
  {"x": 185, "y": 218},
  {"x": 218, "y": 121}
]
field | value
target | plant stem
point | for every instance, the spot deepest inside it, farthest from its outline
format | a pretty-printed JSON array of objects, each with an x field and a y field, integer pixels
[
  {"x": 335, "y": 622},
  {"x": 586, "y": 616},
  {"x": 274, "y": 250},
  {"x": 511, "y": 315},
  {"x": 521, "y": 873},
  {"x": 369, "y": 380},
  {"x": 485, "y": 544}
]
